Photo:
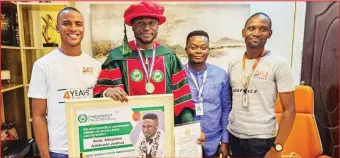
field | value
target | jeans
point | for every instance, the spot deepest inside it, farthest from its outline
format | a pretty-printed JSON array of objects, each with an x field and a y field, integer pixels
[{"x": 58, "y": 155}]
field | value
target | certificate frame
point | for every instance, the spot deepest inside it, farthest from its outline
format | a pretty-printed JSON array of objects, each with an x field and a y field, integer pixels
[{"x": 74, "y": 107}]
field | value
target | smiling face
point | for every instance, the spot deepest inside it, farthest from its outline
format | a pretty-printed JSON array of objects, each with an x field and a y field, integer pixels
[
  {"x": 145, "y": 29},
  {"x": 257, "y": 31},
  {"x": 197, "y": 49},
  {"x": 71, "y": 27}
]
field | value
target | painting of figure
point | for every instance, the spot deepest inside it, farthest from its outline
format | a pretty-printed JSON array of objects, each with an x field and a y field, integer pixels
[{"x": 224, "y": 23}]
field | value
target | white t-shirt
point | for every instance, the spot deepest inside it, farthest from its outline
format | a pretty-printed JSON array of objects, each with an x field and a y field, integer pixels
[
  {"x": 57, "y": 77},
  {"x": 258, "y": 120}
]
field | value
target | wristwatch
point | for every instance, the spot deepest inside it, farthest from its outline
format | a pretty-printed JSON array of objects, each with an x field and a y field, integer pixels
[{"x": 278, "y": 147}]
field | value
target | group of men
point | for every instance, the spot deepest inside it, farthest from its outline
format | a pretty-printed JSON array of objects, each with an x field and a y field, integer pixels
[{"x": 235, "y": 107}]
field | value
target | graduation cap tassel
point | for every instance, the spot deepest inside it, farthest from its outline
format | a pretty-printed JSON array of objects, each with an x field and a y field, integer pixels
[{"x": 126, "y": 50}]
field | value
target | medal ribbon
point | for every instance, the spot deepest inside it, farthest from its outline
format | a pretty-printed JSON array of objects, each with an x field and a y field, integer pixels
[
  {"x": 200, "y": 89},
  {"x": 148, "y": 75},
  {"x": 246, "y": 81}
]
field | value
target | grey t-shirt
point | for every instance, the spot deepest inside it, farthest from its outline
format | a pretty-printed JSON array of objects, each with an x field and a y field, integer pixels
[{"x": 271, "y": 76}]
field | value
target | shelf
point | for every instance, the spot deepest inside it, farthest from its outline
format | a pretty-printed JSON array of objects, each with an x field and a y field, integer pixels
[
  {"x": 9, "y": 47},
  {"x": 9, "y": 87},
  {"x": 19, "y": 58},
  {"x": 27, "y": 5},
  {"x": 38, "y": 3},
  {"x": 14, "y": 110},
  {"x": 8, "y": 4},
  {"x": 39, "y": 48},
  {"x": 34, "y": 13}
]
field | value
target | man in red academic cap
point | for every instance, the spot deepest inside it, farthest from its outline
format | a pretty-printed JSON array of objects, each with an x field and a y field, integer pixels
[{"x": 144, "y": 66}]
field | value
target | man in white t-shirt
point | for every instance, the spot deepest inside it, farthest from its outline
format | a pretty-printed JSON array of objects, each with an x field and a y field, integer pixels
[
  {"x": 64, "y": 73},
  {"x": 151, "y": 141},
  {"x": 256, "y": 79}
]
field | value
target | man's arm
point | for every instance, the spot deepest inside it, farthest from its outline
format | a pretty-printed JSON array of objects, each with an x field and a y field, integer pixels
[
  {"x": 286, "y": 87},
  {"x": 110, "y": 83},
  {"x": 37, "y": 92},
  {"x": 184, "y": 106},
  {"x": 40, "y": 126},
  {"x": 288, "y": 117},
  {"x": 226, "y": 107}
]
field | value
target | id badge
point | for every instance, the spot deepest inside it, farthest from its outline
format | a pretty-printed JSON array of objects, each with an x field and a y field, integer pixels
[
  {"x": 199, "y": 109},
  {"x": 245, "y": 100}
]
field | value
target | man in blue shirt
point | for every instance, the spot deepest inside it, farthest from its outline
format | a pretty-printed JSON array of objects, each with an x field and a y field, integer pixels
[{"x": 210, "y": 91}]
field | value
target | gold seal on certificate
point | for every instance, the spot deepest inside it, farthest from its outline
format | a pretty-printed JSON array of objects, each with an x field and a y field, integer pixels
[
  {"x": 186, "y": 136},
  {"x": 149, "y": 87}
]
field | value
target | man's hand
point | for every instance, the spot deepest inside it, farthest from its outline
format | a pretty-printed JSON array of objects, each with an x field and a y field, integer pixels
[
  {"x": 202, "y": 139},
  {"x": 272, "y": 153},
  {"x": 117, "y": 94},
  {"x": 224, "y": 150}
]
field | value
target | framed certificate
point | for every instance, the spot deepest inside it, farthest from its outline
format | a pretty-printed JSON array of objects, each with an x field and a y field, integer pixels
[
  {"x": 186, "y": 136},
  {"x": 102, "y": 127}
]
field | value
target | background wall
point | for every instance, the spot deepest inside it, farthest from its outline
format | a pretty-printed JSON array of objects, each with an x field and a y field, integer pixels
[{"x": 288, "y": 28}]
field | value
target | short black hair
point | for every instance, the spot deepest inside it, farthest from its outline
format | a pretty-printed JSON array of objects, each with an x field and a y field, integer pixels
[
  {"x": 197, "y": 33},
  {"x": 257, "y": 14},
  {"x": 150, "y": 116},
  {"x": 67, "y": 8}
]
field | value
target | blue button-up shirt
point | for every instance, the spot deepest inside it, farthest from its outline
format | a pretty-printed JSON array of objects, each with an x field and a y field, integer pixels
[{"x": 216, "y": 104}]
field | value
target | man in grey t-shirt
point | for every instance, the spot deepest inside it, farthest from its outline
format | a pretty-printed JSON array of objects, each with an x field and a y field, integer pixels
[{"x": 256, "y": 79}]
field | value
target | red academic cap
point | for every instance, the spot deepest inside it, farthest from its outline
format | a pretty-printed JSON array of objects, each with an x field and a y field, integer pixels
[{"x": 144, "y": 8}]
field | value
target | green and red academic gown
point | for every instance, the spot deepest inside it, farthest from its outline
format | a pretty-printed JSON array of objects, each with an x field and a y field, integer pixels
[{"x": 168, "y": 76}]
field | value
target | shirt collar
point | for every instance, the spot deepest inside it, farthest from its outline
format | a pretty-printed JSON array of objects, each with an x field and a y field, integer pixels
[{"x": 197, "y": 72}]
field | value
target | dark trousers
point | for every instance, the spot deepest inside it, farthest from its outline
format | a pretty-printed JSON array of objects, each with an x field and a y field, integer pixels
[{"x": 249, "y": 147}]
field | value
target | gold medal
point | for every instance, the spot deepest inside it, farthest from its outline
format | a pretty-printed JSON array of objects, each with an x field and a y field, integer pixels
[{"x": 149, "y": 87}]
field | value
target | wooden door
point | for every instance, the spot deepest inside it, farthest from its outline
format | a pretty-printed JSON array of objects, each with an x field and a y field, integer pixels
[{"x": 320, "y": 69}]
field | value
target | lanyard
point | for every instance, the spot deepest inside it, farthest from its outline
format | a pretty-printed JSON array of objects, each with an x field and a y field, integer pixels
[
  {"x": 246, "y": 81},
  {"x": 200, "y": 89},
  {"x": 148, "y": 75}
]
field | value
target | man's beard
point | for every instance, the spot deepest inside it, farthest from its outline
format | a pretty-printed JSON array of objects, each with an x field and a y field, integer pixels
[
  {"x": 148, "y": 136},
  {"x": 146, "y": 42}
]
